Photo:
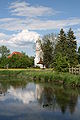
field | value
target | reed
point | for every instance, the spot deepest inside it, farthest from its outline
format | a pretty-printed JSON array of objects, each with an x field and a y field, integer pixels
[{"x": 43, "y": 76}]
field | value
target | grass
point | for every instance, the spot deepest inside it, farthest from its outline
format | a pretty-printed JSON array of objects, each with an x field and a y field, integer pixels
[{"x": 39, "y": 75}]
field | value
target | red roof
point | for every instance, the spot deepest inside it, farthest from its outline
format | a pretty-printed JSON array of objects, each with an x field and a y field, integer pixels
[{"x": 14, "y": 53}]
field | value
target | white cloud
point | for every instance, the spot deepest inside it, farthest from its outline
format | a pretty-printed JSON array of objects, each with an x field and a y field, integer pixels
[
  {"x": 24, "y": 38},
  {"x": 36, "y": 24},
  {"x": 3, "y": 36},
  {"x": 25, "y": 96},
  {"x": 25, "y": 9},
  {"x": 7, "y": 19},
  {"x": 52, "y": 24},
  {"x": 4, "y": 39},
  {"x": 12, "y": 24},
  {"x": 32, "y": 21}
]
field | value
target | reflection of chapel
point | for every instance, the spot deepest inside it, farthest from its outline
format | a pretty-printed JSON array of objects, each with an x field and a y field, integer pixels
[{"x": 39, "y": 55}]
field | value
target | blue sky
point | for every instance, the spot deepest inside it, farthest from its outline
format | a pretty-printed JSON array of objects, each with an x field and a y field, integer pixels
[{"x": 23, "y": 21}]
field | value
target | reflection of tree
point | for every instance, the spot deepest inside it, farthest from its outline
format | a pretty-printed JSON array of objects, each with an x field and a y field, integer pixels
[
  {"x": 47, "y": 98},
  {"x": 62, "y": 99},
  {"x": 65, "y": 99},
  {"x": 18, "y": 83},
  {"x": 3, "y": 89},
  {"x": 58, "y": 97},
  {"x": 73, "y": 102},
  {"x": 48, "y": 95}
]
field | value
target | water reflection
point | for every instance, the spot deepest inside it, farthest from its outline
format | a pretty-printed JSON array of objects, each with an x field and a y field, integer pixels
[
  {"x": 46, "y": 96},
  {"x": 59, "y": 98}
]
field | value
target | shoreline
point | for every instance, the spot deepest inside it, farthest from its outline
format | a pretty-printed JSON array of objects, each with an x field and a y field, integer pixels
[{"x": 40, "y": 75}]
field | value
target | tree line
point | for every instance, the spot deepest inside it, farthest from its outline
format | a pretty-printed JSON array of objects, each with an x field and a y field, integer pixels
[
  {"x": 60, "y": 52},
  {"x": 16, "y": 61}
]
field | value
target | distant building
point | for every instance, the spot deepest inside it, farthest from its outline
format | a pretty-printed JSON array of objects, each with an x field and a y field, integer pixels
[
  {"x": 14, "y": 53},
  {"x": 38, "y": 61}
]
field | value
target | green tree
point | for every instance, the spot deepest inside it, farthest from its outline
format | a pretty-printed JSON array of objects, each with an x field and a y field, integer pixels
[
  {"x": 31, "y": 59},
  {"x": 79, "y": 54},
  {"x": 47, "y": 52},
  {"x": 79, "y": 50},
  {"x": 48, "y": 45},
  {"x": 61, "y": 63},
  {"x": 65, "y": 50},
  {"x": 61, "y": 46},
  {"x": 72, "y": 48},
  {"x": 20, "y": 61},
  {"x": 3, "y": 62},
  {"x": 4, "y": 51},
  {"x": 60, "y": 60}
]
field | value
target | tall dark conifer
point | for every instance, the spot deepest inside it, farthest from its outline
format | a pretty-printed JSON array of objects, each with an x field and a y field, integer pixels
[
  {"x": 60, "y": 56},
  {"x": 65, "y": 50},
  {"x": 78, "y": 54},
  {"x": 72, "y": 48},
  {"x": 61, "y": 45}
]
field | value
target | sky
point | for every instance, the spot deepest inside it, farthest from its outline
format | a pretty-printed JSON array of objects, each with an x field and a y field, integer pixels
[{"x": 22, "y": 22}]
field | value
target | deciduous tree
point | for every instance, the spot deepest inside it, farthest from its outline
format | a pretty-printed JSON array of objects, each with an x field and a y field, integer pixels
[
  {"x": 4, "y": 51},
  {"x": 48, "y": 45}
]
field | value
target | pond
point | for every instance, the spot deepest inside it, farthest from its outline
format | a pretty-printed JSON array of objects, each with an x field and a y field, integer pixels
[{"x": 38, "y": 101}]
